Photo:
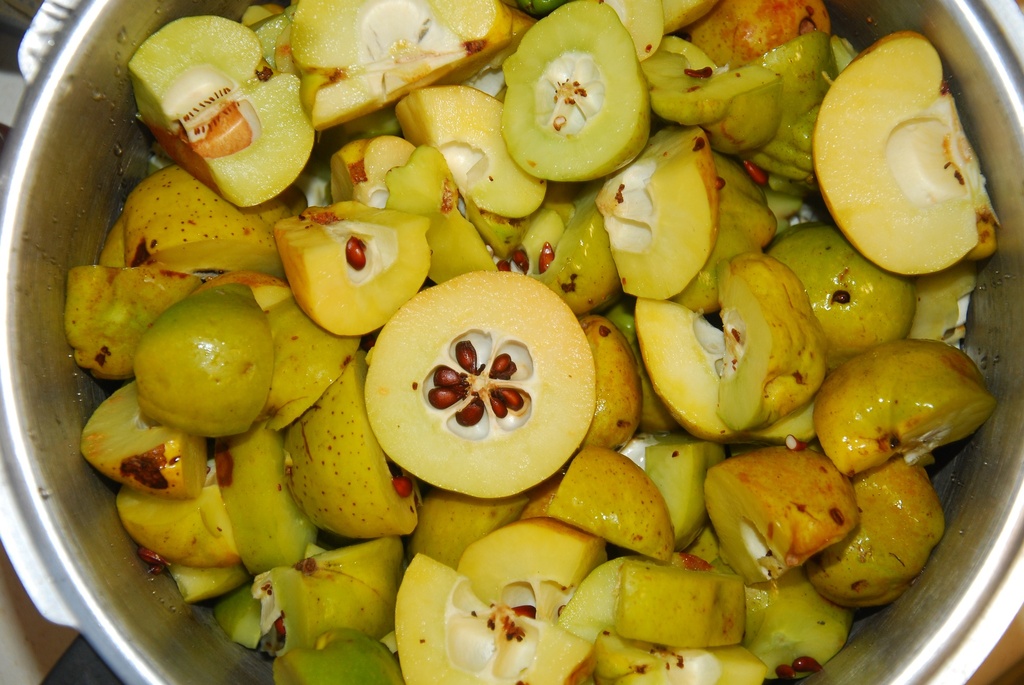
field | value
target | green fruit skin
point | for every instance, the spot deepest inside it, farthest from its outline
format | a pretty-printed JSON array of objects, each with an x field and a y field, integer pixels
[
  {"x": 921, "y": 394},
  {"x": 583, "y": 271},
  {"x": 107, "y": 310},
  {"x": 788, "y": 618},
  {"x": 807, "y": 66},
  {"x": 339, "y": 474},
  {"x": 678, "y": 463},
  {"x": 198, "y": 584},
  {"x": 350, "y": 587},
  {"x": 654, "y": 415},
  {"x": 619, "y": 396},
  {"x": 270, "y": 528},
  {"x": 858, "y": 304},
  {"x": 341, "y": 657},
  {"x": 745, "y": 224},
  {"x": 673, "y": 606},
  {"x": 238, "y": 614},
  {"x": 205, "y": 365},
  {"x": 901, "y": 521},
  {"x": 450, "y": 521}
]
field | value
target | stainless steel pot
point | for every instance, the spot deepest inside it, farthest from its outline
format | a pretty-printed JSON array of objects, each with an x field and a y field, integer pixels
[{"x": 75, "y": 152}]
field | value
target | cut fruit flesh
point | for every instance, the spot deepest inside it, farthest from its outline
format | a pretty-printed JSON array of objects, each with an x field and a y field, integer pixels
[
  {"x": 223, "y": 113},
  {"x": 918, "y": 202},
  {"x": 356, "y": 56},
  {"x": 452, "y": 414},
  {"x": 446, "y": 634},
  {"x": 661, "y": 213},
  {"x": 465, "y": 125},
  {"x": 558, "y": 119},
  {"x": 351, "y": 266}
]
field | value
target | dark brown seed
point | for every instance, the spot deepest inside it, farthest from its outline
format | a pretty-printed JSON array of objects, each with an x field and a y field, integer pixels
[
  {"x": 471, "y": 414},
  {"x": 806, "y": 26},
  {"x": 512, "y": 398},
  {"x": 525, "y": 610},
  {"x": 503, "y": 265},
  {"x": 402, "y": 485},
  {"x": 465, "y": 355},
  {"x": 756, "y": 173},
  {"x": 152, "y": 558},
  {"x": 355, "y": 253},
  {"x": 521, "y": 260},
  {"x": 837, "y": 516},
  {"x": 442, "y": 398},
  {"x": 498, "y": 405},
  {"x": 706, "y": 72},
  {"x": 547, "y": 255},
  {"x": 806, "y": 664},
  {"x": 785, "y": 671},
  {"x": 447, "y": 377},
  {"x": 502, "y": 368},
  {"x": 841, "y": 297}
]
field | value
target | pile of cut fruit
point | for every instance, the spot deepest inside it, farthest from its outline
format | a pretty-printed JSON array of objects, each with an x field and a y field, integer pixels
[{"x": 458, "y": 342}]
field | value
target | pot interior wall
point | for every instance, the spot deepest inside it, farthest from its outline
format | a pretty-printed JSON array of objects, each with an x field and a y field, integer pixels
[{"x": 78, "y": 124}]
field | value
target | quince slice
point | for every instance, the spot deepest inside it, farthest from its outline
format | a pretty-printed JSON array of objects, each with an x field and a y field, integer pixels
[{"x": 483, "y": 384}]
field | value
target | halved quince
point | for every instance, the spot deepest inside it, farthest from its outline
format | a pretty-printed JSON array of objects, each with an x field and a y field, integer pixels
[
  {"x": 446, "y": 634},
  {"x": 216, "y": 107},
  {"x": 576, "y": 107},
  {"x": 483, "y": 384},
  {"x": 356, "y": 56},
  {"x": 351, "y": 266},
  {"x": 359, "y": 168},
  {"x": 917, "y": 203},
  {"x": 661, "y": 213}
]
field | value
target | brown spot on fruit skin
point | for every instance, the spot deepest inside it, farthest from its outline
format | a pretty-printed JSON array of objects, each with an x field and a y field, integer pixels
[
  {"x": 225, "y": 464},
  {"x": 146, "y": 468}
]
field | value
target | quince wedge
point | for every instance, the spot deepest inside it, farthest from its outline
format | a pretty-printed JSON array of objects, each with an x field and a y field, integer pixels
[
  {"x": 357, "y": 56},
  {"x": 465, "y": 125},
  {"x": 661, "y": 213},
  {"x": 606, "y": 494},
  {"x": 350, "y": 587},
  {"x": 351, "y": 266}
]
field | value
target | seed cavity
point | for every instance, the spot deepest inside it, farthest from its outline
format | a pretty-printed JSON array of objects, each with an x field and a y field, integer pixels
[
  {"x": 481, "y": 385},
  {"x": 211, "y": 113}
]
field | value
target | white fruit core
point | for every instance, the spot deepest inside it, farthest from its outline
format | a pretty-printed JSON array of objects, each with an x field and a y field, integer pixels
[
  {"x": 211, "y": 111},
  {"x": 735, "y": 339},
  {"x": 491, "y": 642},
  {"x": 930, "y": 157},
  {"x": 628, "y": 208},
  {"x": 468, "y": 164},
  {"x": 688, "y": 666},
  {"x": 754, "y": 543},
  {"x": 712, "y": 343},
  {"x": 402, "y": 41},
  {"x": 380, "y": 246},
  {"x": 570, "y": 93}
]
